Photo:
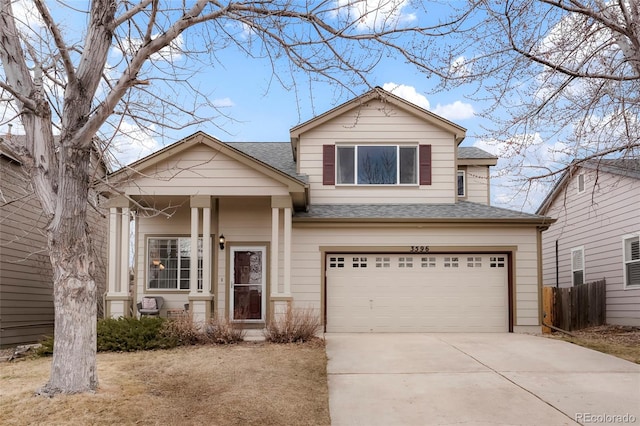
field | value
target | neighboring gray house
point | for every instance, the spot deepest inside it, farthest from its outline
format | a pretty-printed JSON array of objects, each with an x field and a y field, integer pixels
[
  {"x": 597, "y": 207},
  {"x": 26, "y": 290}
]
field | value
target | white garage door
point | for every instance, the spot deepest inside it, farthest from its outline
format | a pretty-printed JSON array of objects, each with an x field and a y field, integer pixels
[{"x": 417, "y": 293}]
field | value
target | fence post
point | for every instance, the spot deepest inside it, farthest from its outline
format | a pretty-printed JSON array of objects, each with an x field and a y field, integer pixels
[{"x": 548, "y": 311}]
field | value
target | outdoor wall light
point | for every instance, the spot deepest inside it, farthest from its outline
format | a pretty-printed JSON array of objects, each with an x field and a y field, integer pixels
[{"x": 221, "y": 240}]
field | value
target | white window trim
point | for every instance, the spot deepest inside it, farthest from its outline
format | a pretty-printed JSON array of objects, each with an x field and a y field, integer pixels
[
  {"x": 464, "y": 183},
  {"x": 581, "y": 250},
  {"x": 148, "y": 264},
  {"x": 580, "y": 179},
  {"x": 355, "y": 165},
  {"x": 625, "y": 238}
]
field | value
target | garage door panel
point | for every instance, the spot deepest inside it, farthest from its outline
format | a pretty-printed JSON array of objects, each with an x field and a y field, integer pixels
[{"x": 429, "y": 293}]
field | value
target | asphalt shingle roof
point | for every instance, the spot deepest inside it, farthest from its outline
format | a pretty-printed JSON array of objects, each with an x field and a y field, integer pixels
[
  {"x": 275, "y": 154},
  {"x": 385, "y": 212},
  {"x": 473, "y": 153},
  {"x": 621, "y": 166}
]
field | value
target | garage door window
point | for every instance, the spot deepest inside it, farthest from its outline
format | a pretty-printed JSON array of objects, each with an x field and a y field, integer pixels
[
  {"x": 474, "y": 262},
  {"x": 383, "y": 262},
  {"x": 496, "y": 262},
  {"x": 336, "y": 262},
  {"x": 405, "y": 262},
  {"x": 359, "y": 262},
  {"x": 451, "y": 262},
  {"x": 428, "y": 262}
]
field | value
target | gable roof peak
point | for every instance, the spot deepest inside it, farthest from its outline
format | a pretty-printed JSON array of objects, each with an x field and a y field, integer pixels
[{"x": 384, "y": 96}]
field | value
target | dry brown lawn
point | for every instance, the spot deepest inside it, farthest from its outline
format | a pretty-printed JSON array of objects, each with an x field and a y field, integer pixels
[
  {"x": 623, "y": 342},
  {"x": 246, "y": 384}
]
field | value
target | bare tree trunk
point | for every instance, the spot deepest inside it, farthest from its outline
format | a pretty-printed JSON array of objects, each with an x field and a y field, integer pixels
[{"x": 74, "y": 293}]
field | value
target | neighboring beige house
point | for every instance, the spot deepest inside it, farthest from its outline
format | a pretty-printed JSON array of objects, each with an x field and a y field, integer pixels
[
  {"x": 26, "y": 286},
  {"x": 597, "y": 233},
  {"x": 371, "y": 215}
]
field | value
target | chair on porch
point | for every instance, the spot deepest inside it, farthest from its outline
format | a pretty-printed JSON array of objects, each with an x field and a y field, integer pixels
[{"x": 150, "y": 305}]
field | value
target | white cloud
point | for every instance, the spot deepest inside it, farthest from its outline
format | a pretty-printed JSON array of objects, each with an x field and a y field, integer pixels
[
  {"x": 131, "y": 144},
  {"x": 27, "y": 16},
  {"x": 455, "y": 111},
  {"x": 520, "y": 160},
  {"x": 374, "y": 15},
  {"x": 408, "y": 93},
  {"x": 460, "y": 67},
  {"x": 223, "y": 103}
]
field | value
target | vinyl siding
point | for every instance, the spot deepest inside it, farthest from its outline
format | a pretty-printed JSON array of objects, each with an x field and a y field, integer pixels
[
  {"x": 307, "y": 276},
  {"x": 477, "y": 189},
  {"x": 203, "y": 171},
  {"x": 597, "y": 219},
  {"x": 378, "y": 123},
  {"x": 26, "y": 289}
]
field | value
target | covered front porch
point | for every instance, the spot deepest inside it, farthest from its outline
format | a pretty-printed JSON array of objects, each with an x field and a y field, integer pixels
[
  {"x": 207, "y": 227},
  {"x": 243, "y": 261}
]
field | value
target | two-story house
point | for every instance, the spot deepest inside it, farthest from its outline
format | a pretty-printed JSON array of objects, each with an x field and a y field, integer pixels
[
  {"x": 597, "y": 233},
  {"x": 372, "y": 215}
]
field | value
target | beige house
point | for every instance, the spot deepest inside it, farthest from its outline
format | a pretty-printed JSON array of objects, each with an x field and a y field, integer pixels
[
  {"x": 597, "y": 233},
  {"x": 371, "y": 215}
]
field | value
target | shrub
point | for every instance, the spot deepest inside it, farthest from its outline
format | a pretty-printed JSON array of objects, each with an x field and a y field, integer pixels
[
  {"x": 46, "y": 347},
  {"x": 183, "y": 330},
  {"x": 133, "y": 334},
  {"x": 221, "y": 331},
  {"x": 295, "y": 326}
]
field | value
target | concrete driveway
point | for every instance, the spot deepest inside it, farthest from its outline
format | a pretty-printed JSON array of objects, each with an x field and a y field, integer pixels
[{"x": 476, "y": 379}]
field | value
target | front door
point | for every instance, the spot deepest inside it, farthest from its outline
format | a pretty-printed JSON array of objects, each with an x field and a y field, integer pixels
[{"x": 248, "y": 283}]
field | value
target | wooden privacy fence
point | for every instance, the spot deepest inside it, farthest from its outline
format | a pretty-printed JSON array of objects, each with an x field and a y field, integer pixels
[{"x": 574, "y": 308}]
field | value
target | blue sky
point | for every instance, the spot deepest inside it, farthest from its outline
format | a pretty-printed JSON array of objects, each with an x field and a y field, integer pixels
[{"x": 260, "y": 109}]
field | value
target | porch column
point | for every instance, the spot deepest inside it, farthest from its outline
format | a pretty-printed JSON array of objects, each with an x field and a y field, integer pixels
[
  {"x": 280, "y": 300},
  {"x": 275, "y": 250},
  {"x": 206, "y": 250},
  {"x": 193, "y": 265},
  {"x": 287, "y": 251},
  {"x": 124, "y": 251},
  {"x": 112, "y": 270},
  {"x": 200, "y": 301},
  {"x": 118, "y": 300}
]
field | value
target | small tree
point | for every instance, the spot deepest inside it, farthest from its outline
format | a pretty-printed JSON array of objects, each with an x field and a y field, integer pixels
[{"x": 566, "y": 72}]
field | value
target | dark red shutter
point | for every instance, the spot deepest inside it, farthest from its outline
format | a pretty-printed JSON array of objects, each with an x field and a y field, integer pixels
[
  {"x": 425, "y": 164},
  {"x": 329, "y": 164}
]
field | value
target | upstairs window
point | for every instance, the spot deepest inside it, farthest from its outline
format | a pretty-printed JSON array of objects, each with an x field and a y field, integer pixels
[
  {"x": 376, "y": 165},
  {"x": 580, "y": 183},
  {"x": 461, "y": 191},
  {"x": 631, "y": 247}
]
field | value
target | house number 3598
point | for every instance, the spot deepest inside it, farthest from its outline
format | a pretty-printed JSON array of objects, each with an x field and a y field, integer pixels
[{"x": 419, "y": 249}]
